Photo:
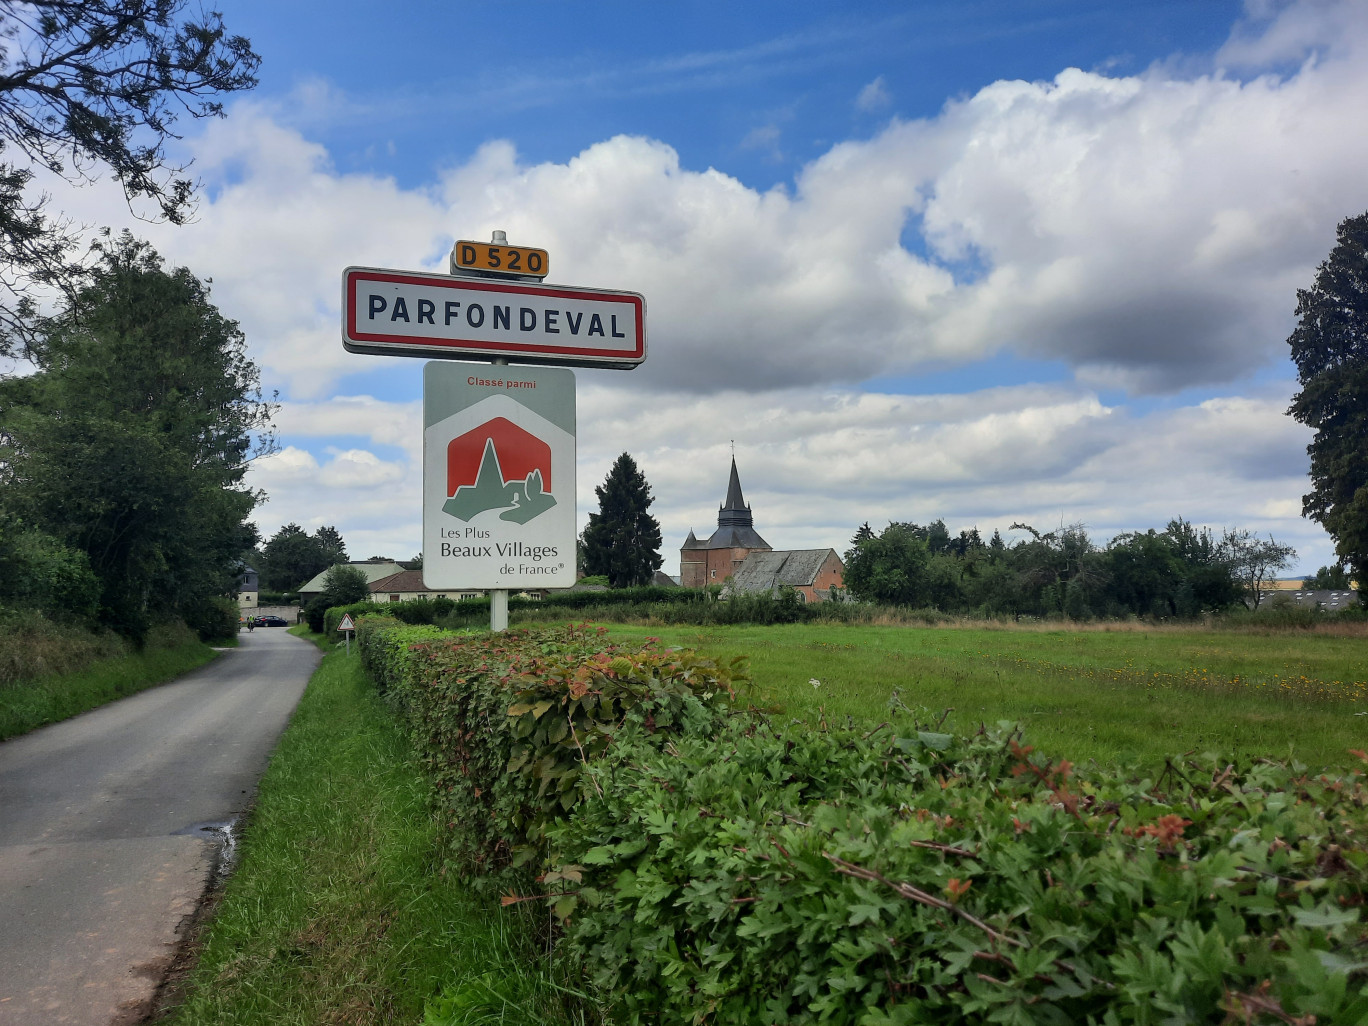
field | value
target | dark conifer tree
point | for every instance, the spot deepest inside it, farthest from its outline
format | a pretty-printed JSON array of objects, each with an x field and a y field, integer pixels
[
  {"x": 622, "y": 541},
  {"x": 1330, "y": 349}
]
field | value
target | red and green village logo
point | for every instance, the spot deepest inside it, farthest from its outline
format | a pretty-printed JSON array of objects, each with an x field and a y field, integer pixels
[{"x": 498, "y": 465}]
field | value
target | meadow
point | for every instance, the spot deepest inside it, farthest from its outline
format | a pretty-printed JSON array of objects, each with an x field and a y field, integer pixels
[{"x": 1126, "y": 695}]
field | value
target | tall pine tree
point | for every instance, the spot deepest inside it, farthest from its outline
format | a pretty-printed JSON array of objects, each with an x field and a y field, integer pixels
[
  {"x": 622, "y": 541},
  {"x": 1330, "y": 348}
]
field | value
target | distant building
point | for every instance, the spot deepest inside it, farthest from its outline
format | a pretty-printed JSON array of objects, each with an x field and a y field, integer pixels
[
  {"x": 711, "y": 562},
  {"x": 812, "y": 573},
  {"x": 408, "y": 584},
  {"x": 1327, "y": 600},
  {"x": 735, "y": 553},
  {"x": 373, "y": 569},
  {"x": 249, "y": 588}
]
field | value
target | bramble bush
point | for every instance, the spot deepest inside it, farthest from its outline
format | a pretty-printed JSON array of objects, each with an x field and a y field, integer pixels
[{"x": 710, "y": 867}]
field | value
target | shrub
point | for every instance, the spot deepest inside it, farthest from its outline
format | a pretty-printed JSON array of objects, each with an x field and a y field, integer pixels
[
  {"x": 505, "y": 721},
  {"x": 32, "y": 646},
  {"x": 762, "y": 876},
  {"x": 315, "y": 610},
  {"x": 277, "y": 598},
  {"x": 39, "y": 572},
  {"x": 212, "y": 618}
]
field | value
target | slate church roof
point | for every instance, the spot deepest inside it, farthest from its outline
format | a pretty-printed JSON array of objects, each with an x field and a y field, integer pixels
[{"x": 735, "y": 525}]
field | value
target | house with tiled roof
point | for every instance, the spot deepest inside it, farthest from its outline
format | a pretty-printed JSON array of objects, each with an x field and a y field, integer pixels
[
  {"x": 374, "y": 569},
  {"x": 408, "y": 584}
]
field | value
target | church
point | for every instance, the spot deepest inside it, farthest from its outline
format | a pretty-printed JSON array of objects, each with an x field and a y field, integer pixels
[{"x": 736, "y": 556}]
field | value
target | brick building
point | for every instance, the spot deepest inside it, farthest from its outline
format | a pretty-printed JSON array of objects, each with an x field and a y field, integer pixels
[
  {"x": 711, "y": 562},
  {"x": 736, "y": 552}
]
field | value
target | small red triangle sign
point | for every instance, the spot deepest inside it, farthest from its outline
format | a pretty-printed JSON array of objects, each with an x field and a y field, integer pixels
[{"x": 346, "y": 624}]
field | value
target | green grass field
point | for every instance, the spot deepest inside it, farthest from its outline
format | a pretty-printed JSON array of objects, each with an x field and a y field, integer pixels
[{"x": 1123, "y": 695}]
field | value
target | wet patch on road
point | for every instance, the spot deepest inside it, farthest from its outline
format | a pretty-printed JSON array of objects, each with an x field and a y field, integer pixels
[{"x": 224, "y": 833}]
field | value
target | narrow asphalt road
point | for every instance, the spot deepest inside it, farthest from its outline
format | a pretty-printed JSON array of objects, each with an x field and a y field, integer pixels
[{"x": 111, "y": 824}]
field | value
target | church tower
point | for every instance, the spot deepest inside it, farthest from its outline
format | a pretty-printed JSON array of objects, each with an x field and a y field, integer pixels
[{"x": 711, "y": 562}]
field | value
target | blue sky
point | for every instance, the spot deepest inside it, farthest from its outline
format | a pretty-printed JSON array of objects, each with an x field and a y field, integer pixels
[
  {"x": 755, "y": 89},
  {"x": 990, "y": 262}
]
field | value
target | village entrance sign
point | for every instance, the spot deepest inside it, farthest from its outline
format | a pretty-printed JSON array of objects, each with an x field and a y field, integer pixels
[{"x": 498, "y": 441}]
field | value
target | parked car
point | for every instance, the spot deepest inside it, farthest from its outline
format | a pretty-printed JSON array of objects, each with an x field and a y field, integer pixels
[{"x": 271, "y": 621}]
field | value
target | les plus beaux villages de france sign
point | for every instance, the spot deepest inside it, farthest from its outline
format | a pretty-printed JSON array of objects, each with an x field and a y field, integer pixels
[
  {"x": 498, "y": 477},
  {"x": 498, "y": 439}
]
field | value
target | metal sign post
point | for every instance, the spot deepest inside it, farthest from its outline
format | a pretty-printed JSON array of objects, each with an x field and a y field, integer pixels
[
  {"x": 346, "y": 627},
  {"x": 498, "y": 479},
  {"x": 498, "y": 441}
]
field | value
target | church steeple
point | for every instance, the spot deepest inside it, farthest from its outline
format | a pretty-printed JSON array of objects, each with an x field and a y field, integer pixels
[
  {"x": 711, "y": 562},
  {"x": 734, "y": 512},
  {"x": 735, "y": 501},
  {"x": 735, "y": 526}
]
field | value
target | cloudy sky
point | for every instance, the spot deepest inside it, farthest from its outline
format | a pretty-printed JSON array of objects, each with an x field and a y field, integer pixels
[{"x": 988, "y": 261}]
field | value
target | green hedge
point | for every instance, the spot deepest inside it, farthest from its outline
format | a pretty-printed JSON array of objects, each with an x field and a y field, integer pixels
[
  {"x": 504, "y": 721},
  {"x": 414, "y": 611},
  {"x": 712, "y": 867},
  {"x": 800, "y": 876}
]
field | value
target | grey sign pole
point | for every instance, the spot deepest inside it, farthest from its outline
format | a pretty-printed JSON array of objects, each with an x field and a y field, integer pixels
[{"x": 498, "y": 597}]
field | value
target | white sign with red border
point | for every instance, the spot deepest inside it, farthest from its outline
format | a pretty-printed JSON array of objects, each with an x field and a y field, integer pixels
[
  {"x": 346, "y": 624},
  {"x": 410, "y": 313}
]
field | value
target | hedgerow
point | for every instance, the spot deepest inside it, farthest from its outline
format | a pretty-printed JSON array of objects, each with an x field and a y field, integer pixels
[
  {"x": 796, "y": 876},
  {"x": 706, "y": 866},
  {"x": 505, "y": 721}
]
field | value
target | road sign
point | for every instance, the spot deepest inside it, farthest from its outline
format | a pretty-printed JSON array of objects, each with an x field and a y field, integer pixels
[
  {"x": 498, "y": 477},
  {"x": 409, "y": 313},
  {"x": 499, "y": 258},
  {"x": 346, "y": 624}
]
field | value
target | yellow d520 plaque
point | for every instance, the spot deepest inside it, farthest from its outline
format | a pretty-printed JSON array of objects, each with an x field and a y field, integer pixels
[{"x": 499, "y": 258}]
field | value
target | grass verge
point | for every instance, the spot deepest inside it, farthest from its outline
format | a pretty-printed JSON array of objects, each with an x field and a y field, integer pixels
[
  {"x": 29, "y": 704},
  {"x": 1125, "y": 696},
  {"x": 335, "y": 914}
]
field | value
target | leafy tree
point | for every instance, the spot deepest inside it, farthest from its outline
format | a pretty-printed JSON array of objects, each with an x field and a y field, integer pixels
[
  {"x": 1328, "y": 578},
  {"x": 332, "y": 546},
  {"x": 890, "y": 567},
  {"x": 1208, "y": 582},
  {"x": 343, "y": 585},
  {"x": 1058, "y": 572},
  {"x": 292, "y": 556},
  {"x": 92, "y": 86},
  {"x": 37, "y": 571},
  {"x": 130, "y": 441},
  {"x": 1255, "y": 562},
  {"x": 622, "y": 540},
  {"x": 1330, "y": 349},
  {"x": 1144, "y": 573}
]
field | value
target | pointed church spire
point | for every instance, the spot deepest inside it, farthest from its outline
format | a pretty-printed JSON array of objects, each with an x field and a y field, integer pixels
[
  {"x": 734, "y": 512},
  {"x": 734, "y": 497}
]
